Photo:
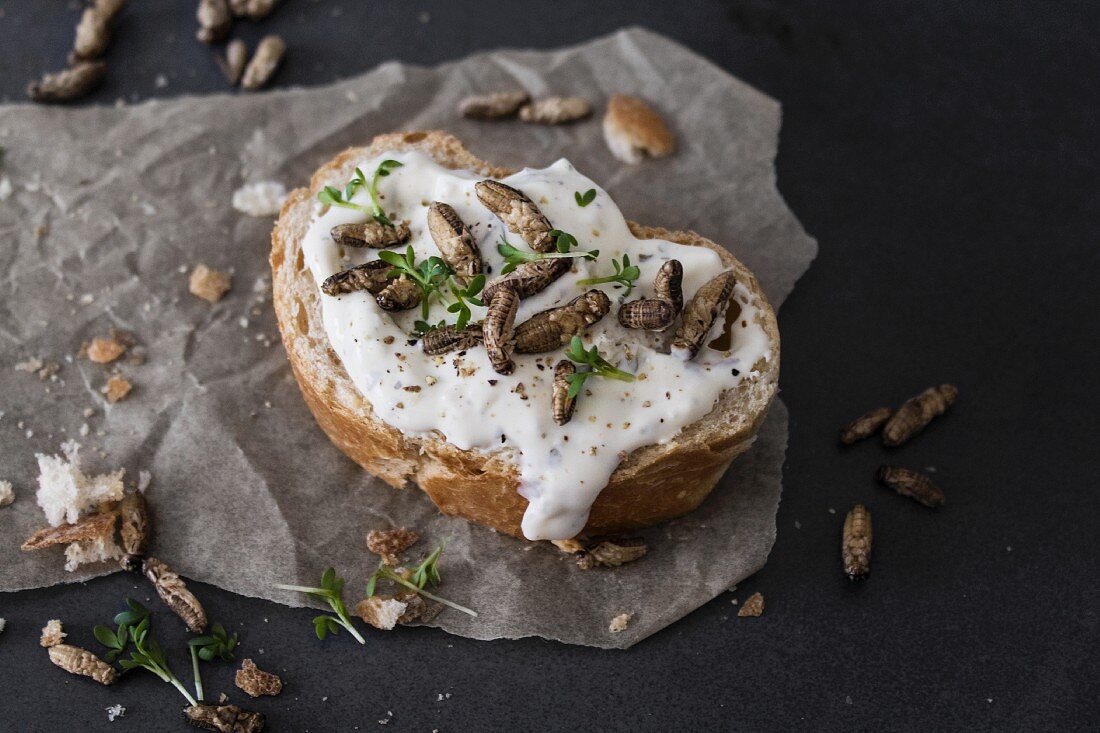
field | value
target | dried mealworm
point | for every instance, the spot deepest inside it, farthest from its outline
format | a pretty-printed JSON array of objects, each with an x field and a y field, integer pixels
[
  {"x": 855, "y": 544},
  {"x": 400, "y": 294},
  {"x": 701, "y": 312},
  {"x": 528, "y": 278},
  {"x": 448, "y": 338},
  {"x": 215, "y": 20},
  {"x": 555, "y": 110},
  {"x": 173, "y": 591},
  {"x": 649, "y": 314},
  {"x": 563, "y": 404},
  {"x": 611, "y": 554},
  {"x": 260, "y": 69},
  {"x": 493, "y": 106},
  {"x": 133, "y": 529},
  {"x": 454, "y": 241},
  {"x": 372, "y": 277},
  {"x": 668, "y": 283},
  {"x": 81, "y": 661},
  {"x": 223, "y": 718},
  {"x": 913, "y": 416},
  {"x": 499, "y": 330},
  {"x": 84, "y": 529},
  {"x": 371, "y": 233},
  {"x": 553, "y": 328},
  {"x": 865, "y": 425},
  {"x": 913, "y": 484},
  {"x": 69, "y": 84},
  {"x": 232, "y": 64},
  {"x": 518, "y": 213}
]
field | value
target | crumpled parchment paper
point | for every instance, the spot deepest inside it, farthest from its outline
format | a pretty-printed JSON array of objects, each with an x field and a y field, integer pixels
[{"x": 111, "y": 207}]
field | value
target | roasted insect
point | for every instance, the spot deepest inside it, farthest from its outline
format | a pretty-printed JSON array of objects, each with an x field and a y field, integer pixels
[
  {"x": 865, "y": 425},
  {"x": 555, "y": 110},
  {"x": 400, "y": 294},
  {"x": 215, "y": 20},
  {"x": 551, "y": 329},
  {"x": 448, "y": 338},
  {"x": 69, "y": 84},
  {"x": 611, "y": 553},
  {"x": 701, "y": 312},
  {"x": 371, "y": 233},
  {"x": 855, "y": 544},
  {"x": 492, "y": 106},
  {"x": 86, "y": 528},
  {"x": 133, "y": 529},
  {"x": 80, "y": 661},
  {"x": 233, "y": 63},
  {"x": 454, "y": 241},
  {"x": 913, "y": 416},
  {"x": 650, "y": 314},
  {"x": 264, "y": 62},
  {"x": 669, "y": 283},
  {"x": 518, "y": 213},
  {"x": 259, "y": 9},
  {"x": 372, "y": 277},
  {"x": 93, "y": 33},
  {"x": 913, "y": 484},
  {"x": 499, "y": 330},
  {"x": 563, "y": 404},
  {"x": 223, "y": 718},
  {"x": 528, "y": 278},
  {"x": 173, "y": 591}
]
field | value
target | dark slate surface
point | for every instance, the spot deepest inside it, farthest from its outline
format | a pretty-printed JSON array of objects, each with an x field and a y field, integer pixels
[{"x": 945, "y": 155}]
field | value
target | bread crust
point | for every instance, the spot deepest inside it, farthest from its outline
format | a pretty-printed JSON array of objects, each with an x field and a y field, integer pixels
[{"x": 652, "y": 484}]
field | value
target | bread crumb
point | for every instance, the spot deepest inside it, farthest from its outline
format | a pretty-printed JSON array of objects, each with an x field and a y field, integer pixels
[
  {"x": 753, "y": 605},
  {"x": 3, "y": 624},
  {"x": 209, "y": 284},
  {"x": 115, "y": 711},
  {"x": 7, "y": 493},
  {"x": 620, "y": 622},
  {"x": 264, "y": 198},
  {"x": 634, "y": 130},
  {"x": 381, "y": 612},
  {"x": 52, "y": 634},
  {"x": 389, "y": 543},
  {"x": 100, "y": 549},
  {"x": 65, "y": 492},
  {"x": 104, "y": 350},
  {"x": 116, "y": 389},
  {"x": 255, "y": 681}
]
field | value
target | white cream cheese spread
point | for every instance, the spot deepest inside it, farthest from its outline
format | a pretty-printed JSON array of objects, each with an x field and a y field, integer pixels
[{"x": 562, "y": 467}]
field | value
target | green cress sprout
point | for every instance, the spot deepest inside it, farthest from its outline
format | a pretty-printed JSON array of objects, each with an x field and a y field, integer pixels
[
  {"x": 625, "y": 274},
  {"x": 584, "y": 199},
  {"x": 332, "y": 196},
  {"x": 563, "y": 243},
  {"x": 598, "y": 366},
  {"x": 425, "y": 573},
  {"x": 331, "y": 591}
]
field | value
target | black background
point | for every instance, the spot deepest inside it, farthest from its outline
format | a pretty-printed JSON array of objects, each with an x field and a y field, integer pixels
[{"x": 945, "y": 155}]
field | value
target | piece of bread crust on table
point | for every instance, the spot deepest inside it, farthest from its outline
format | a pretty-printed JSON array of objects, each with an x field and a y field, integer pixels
[{"x": 652, "y": 484}]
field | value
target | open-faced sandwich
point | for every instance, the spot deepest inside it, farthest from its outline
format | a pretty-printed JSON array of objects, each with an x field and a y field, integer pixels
[{"x": 511, "y": 344}]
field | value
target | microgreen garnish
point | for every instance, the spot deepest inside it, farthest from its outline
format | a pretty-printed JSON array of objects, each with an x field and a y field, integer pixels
[
  {"x": 464, "y": 297},
  {"x": 332, "y": 196},
  {"x": 425, "y": 573},
  {"x": 584, "y": 199},
  {"x": 422, "y": 327},
  {"x": 148, "y": 654},
  {"x": 118, "y": 641},
  {"x": 331, "y": 591},
  {"x": 599, "y": 366},
  {"x": 216, "y": 644},
  {"x": 563, "y": 242},
  {"x": 625, "y": 274},
  {"x": 430, "y": 274}
]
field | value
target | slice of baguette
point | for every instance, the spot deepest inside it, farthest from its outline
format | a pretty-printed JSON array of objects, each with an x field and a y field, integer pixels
[{"x": 652, "y": 484}]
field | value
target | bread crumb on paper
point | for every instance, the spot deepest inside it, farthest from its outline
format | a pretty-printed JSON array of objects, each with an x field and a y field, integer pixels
[
  {"x": 264, "y": 198},
  {"x": 104, "y": 350},
  {"x": 381, "y": 612},
  {"x": 65, "y": 492},
  {"x": 116, "y": 389},
  {"x": 753, "y": 605},
  {"x": 7, "y": 493},
  {"x": 389, "y": 543},
  {"x": 620, "y": 622},
  {"x": 209, "y": 284}
]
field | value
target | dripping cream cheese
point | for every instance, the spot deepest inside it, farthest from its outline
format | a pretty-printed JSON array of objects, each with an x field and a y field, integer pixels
[{"x": 562, "y": 468}]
